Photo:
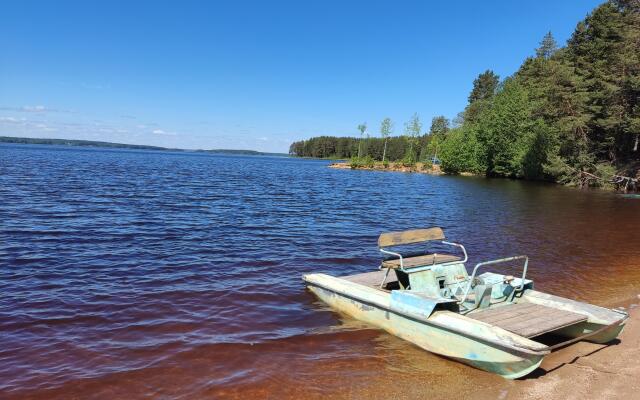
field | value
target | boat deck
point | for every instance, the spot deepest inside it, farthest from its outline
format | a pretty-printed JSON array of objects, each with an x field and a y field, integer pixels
[
  {"x": 372, "y": 279},
  {"x": 528, "y": 319}
]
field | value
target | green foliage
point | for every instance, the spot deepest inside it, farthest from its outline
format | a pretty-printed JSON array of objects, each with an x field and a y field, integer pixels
[
  {"x": 409, "y": 160},
  {"x": 568, "y": 114},
  {"x": 504, "y": 131},
  {"x": 439, "y": 125},
  {"x": 368, "y": 161},
  {"x": 548, "y": 46},
  {"x": 484, "y": 86},
  {"x": 362, "y": 162},
  {"x": 385, "y": 163},
  {"x": 461, "y": 152},
  {"x": 355, "y": 162},
  {"x": 347, "y": 147},
  {"x": 386, "y": 127},
  {"x": 412, "y": 130}
]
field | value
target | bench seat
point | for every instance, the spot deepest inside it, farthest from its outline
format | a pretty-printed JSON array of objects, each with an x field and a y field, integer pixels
[{"x": 420, "y": 261}]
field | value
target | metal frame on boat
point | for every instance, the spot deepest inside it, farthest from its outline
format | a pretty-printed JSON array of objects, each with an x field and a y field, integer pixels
[{"x": 490, "y": 321}]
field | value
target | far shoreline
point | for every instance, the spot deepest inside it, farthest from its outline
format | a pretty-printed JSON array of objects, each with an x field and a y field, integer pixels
[{"x": 125, "y": 146}]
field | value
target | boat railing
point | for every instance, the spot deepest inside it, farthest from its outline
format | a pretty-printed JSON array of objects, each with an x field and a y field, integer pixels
[
  {"x": 498, "y": 261},
  {"x": 422, "y": 268}
]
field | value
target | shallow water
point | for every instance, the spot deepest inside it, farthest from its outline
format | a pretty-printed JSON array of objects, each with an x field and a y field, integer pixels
[{"x": 157, "y": 274}]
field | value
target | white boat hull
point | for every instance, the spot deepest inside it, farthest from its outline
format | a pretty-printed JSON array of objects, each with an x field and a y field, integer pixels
[{"x": 444, "y": 333}]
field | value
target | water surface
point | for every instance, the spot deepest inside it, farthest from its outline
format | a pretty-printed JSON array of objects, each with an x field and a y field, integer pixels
[{"x": 177, "y": 275}]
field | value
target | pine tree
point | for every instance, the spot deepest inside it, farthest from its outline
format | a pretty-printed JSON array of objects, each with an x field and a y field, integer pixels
[
  {"x": 548, "y": 46},
  {"x": 439, "y": 125},
  {"x": 484, "y": 88}
]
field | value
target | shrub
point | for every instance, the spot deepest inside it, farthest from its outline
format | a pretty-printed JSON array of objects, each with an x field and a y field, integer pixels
[
  {"x": 368, "y": 162},
  {"x": 355, "y": 163},
  {"x": 409, "y": 160}
]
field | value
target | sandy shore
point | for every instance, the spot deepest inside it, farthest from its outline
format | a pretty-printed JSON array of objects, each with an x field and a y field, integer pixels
[{"x": 583, "y": 371}]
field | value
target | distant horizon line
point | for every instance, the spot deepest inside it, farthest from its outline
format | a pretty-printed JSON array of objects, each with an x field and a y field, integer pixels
[{"x": 105, "y": 144}]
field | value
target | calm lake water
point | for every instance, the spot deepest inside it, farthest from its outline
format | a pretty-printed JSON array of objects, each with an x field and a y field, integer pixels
[{"x": 137, "y": 274}]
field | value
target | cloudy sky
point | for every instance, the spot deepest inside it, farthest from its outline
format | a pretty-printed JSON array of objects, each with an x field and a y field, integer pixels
[{"x": 253, "y": 75}]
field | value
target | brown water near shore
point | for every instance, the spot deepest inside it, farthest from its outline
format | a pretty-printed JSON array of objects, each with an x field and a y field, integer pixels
[{"x": 153, "y": 277}]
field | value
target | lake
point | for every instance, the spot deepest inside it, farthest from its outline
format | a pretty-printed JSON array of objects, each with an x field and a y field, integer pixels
[{"x": 177, "y": 274}]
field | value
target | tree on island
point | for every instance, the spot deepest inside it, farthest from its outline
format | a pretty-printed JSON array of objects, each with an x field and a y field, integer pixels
[
  {"x": 362, "y": 128},
  {"x": 412, "y": 130},
  {"x": 386, "y": 127}
]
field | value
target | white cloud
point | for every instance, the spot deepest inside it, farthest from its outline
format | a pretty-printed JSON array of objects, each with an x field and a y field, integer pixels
[
  {"x": 35, "y": 109},
  {"x": 162, "y": 132}
]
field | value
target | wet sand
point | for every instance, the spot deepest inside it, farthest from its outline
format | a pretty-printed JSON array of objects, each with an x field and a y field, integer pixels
[
  {"x": 580, "y": 371},
  {"x": 583, "y": 371},
  {"x": 577, "y": 372}
]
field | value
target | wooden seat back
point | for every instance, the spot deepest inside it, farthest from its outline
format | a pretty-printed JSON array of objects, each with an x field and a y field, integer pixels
[{"x": 390, "y": 239}]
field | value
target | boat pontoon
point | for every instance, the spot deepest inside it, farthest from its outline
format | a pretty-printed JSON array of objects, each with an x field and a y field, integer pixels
[{"x": 489, "y": 320}]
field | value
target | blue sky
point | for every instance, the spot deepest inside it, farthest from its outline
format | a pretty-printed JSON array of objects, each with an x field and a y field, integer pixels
[{"x": 254, "y": 75}]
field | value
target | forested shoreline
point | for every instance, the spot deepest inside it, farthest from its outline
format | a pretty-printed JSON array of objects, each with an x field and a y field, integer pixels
[{"x": 569, "y": 114}]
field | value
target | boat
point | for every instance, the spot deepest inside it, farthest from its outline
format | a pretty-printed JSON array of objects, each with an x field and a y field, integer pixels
[{"x": 491, "y": 321}]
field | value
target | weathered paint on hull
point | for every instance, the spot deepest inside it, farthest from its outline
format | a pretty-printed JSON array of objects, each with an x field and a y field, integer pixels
[{"x": 482, "y": 355}]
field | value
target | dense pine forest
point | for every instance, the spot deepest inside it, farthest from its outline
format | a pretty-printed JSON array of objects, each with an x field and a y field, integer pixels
[{"x": 569, "y": 114}]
